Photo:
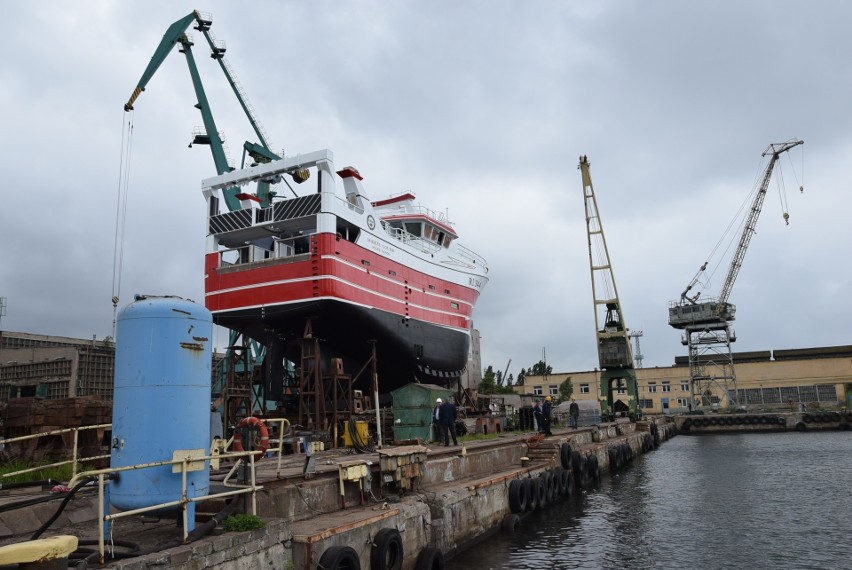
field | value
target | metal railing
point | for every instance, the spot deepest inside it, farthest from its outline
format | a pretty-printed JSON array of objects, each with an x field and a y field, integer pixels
[
  {"x": 186, "y": 464},
  {"x": 74, "y": 461},
  {"x": 105, "y": 519}
]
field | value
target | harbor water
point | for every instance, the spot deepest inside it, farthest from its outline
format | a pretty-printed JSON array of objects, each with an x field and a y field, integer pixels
[{"x": 712, "y": 502}]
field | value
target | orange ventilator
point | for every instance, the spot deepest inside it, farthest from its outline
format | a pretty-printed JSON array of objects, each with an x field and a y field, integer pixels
[{"x": 262, "y": 444}]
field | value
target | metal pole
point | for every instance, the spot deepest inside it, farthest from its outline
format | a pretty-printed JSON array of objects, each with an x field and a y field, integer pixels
[{"x": 376, "y": 396}]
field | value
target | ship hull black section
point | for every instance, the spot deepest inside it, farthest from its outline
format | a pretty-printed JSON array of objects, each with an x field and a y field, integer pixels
[{"x": 407, "y": 350}]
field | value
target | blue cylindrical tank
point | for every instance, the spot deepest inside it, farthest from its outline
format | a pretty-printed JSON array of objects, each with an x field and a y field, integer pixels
[{"x": 161, "y": 402}]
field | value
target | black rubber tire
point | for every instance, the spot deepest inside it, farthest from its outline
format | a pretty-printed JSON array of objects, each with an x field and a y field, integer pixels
[
  {"x": 565, "y": 455},
  {"x": 782, "y": 421},
  {"x": 517, "y": 496},
  {"x": 801, "y": 427},
  {"x": 564, "y": 482},
  {"x": 430, "y": 559},
  {"x": 387, "y": 550},
  {"x": 532, "y": 494},
  {"x": 613, "y": 459},
  {"x": 552, "y": 492},
  {"x": 541, "y": 490},
  {"x": 339, "y": 558},
  {"x": 577, "y": 465},
  {"x": 594, "y": 468},
  {"x": 510, "y": 523}
]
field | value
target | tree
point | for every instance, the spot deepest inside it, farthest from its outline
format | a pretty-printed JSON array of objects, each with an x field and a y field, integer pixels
[
  {"x": 520, "y": 380},
  {"x": 540, "y": 368},
  {"x": 488, "y": 385},
  {"x": 566, "y": 389}
]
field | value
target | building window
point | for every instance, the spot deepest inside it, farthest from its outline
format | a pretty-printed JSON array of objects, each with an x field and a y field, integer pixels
[
  {"x": 667, "y": 387},
  {"x": 553, "y": 389},
  {"x": 621, "y": 390},
  {"x": 645, "y": 403},
  {"x": 584, "y": 388},
  {"x": 652, "y": 386},
  {"x": 537, "y": 390},
  {"x": 684, "y": 386},
  {"x": 683, "y": 402}
]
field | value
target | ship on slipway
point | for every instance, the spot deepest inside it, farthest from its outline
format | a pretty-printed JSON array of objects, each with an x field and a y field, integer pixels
[{"x": 322, "y": 258}]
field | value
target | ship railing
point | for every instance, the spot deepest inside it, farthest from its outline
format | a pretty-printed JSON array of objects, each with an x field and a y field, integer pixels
[
  {"x": 414, "y": 241},
  {"x": 191, "y": 462},
  {"x": 471, "y": 256},
  {"x": 408, "y": 208},
  {"x": 282, "y": 248},
  {"x": 75, "y": 459},
  {"x": 468, "y": 257}
]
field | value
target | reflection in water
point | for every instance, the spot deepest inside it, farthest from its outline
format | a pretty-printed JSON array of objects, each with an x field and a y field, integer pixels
[{"x": 711, "y": 502}]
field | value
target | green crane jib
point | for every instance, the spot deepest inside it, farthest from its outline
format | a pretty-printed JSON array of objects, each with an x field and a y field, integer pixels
[{"x": 176, "y": 34}]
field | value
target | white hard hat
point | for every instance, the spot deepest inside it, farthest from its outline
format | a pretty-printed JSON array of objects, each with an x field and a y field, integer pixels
[{"x": 439, "y": 400}]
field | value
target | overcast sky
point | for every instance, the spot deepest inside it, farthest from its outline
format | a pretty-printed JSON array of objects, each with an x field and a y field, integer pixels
[{"x": 480, "y": 108}]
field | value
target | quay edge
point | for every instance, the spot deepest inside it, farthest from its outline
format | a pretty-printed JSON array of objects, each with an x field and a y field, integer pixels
[
  {"x": 763, "y": 422},
  {"x": 460, "y": 498}
]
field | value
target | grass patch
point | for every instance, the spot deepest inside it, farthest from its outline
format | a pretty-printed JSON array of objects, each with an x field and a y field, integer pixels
[
  {"x": 479, "y": 436},
  {"x": 58, "y": 473},
  {"x": 242, "y": 523}
]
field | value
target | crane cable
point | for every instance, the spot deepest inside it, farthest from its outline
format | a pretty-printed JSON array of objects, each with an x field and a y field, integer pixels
[{"x": 121, "y": 209}]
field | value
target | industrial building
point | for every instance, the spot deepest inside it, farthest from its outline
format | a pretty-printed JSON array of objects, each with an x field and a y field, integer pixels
[{"x": 764, "y": 379}]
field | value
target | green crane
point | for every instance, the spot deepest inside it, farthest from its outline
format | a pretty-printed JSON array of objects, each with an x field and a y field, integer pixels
[
  {"x": 176, "y": 35},
  {"x": 244, "y": 355}
]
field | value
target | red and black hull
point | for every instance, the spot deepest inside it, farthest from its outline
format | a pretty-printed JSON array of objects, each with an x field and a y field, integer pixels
[{"x": 352, "y": 295}]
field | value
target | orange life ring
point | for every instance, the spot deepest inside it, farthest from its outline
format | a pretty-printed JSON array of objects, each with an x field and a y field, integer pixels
[{"x": 262, "y": 445}]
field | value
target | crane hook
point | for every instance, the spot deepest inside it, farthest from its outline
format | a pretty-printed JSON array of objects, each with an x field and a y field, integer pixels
[{"x": 786, "y": 218}]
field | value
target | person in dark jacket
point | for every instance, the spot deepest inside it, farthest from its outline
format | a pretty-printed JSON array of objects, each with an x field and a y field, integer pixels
[
  {"x": 448, "y": 415},
  {"x": 539, "y": 424},
  {"x": 440, "y": 431},
  {"x": 573, "y": 413},
  {"x": 546, "y": 410}
]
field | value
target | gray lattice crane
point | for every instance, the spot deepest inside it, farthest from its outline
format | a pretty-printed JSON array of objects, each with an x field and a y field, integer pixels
[
  {"x": 706, "y": 324},
  {"x": 618, "y": 377}
]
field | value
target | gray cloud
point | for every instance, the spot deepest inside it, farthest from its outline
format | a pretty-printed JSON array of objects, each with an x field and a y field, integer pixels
[{"x": 481, "y": 108}]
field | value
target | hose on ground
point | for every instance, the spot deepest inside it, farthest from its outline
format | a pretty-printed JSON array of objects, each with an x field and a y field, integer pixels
[{"x": 70, "y": 495}]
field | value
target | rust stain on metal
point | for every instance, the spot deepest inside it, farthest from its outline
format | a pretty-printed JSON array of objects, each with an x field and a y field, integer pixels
[
  {"x": 200, "y": 338},
  {"x": 191, "y": 346}
]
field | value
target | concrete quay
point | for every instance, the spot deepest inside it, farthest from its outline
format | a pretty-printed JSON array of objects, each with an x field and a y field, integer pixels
[{"x": 417, "y": 506}]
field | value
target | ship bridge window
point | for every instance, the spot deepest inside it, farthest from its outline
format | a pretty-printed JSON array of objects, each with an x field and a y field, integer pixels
[
  {"x": 436, "y": 235},
  {"x": 414, "y": 228}
]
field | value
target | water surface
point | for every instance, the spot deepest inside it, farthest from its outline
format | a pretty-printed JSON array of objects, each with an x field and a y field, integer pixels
[{"x": 711, "y": 502}]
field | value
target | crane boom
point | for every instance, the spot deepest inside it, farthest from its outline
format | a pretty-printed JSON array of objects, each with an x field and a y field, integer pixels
[
  {"x": 706, "y": 325},
  {"x": 748, "y": 231},
  {"x": 617, "y": 376},
  {"x": 176, "y": 35}
]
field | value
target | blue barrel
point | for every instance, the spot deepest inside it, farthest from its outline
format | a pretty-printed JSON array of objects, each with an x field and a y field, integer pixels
[{"x": 161, "y": 401}]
